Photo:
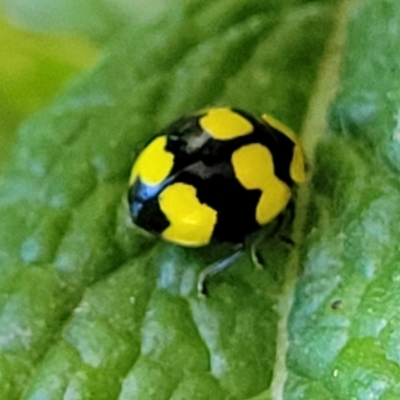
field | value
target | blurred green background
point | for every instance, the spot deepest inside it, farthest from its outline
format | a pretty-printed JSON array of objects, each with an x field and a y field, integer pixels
[{"x": 34, "y": 67}]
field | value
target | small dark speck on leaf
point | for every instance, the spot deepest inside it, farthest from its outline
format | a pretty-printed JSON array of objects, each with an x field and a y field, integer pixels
[{"x": 335, "y": 305}]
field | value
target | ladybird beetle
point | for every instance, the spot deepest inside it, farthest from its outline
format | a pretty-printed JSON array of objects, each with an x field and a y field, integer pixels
[{"x": 217, "y": 175}]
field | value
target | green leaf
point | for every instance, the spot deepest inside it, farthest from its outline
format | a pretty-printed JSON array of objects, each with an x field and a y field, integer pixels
[
  {"x": 344, "y": 327},
  {"x": 92, "y": 310}
]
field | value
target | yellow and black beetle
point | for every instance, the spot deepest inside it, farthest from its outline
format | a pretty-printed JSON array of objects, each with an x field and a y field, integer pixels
[{"x": 217, "y": 175}]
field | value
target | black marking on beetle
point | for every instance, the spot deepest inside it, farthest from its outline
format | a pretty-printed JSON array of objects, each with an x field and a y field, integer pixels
[{"x": 145, "y": 210}]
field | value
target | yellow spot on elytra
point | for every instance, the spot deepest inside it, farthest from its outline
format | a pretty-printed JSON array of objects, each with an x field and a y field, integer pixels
[
  {"x": 297, "y": 172},
  {"x": 153, "y": 164},
  {"x": 225, "y": 124},
  {"x": 254, "y": 168},
  {"x": 191, "y": 223}
]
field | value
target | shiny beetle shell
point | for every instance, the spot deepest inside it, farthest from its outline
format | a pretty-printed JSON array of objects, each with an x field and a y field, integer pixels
[{"x": 217, "y": 175}]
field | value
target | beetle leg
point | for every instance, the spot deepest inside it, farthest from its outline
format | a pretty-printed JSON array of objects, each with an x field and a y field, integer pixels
[
  {"x": 215, "y": 268},
  {"x": 282, "y": 220},
  {"x": 255, "y": 255}
]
